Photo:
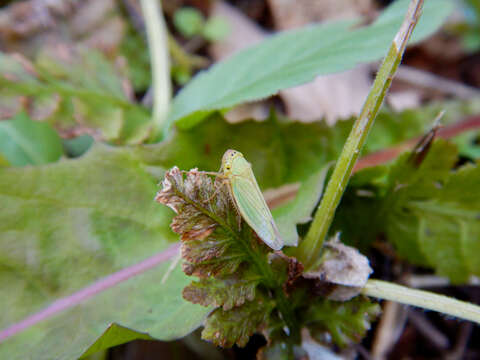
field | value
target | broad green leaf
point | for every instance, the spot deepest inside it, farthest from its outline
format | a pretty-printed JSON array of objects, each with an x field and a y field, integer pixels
[
  {"x": 406, "y": 182},
  {"x": 143, "y": 303},
  {"x": 115, "y": 335},
  {"x": 449, "y": 226},
  {"x": 295, "y": 57},
  {"x": 65, "y": 225},
  {"x": 299, "y": 210},
  {"x": 27, "y": 142}
]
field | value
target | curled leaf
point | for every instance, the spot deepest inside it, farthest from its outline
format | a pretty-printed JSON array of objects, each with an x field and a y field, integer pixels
[
  {"x": 342, "y": 273},
  {"x": 206, "y": 221},
  {"x": 226, "y": 328}
]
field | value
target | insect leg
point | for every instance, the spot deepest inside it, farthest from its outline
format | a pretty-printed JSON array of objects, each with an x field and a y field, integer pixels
[
  {"x": 224, "y": 182},
  {"x": 217, "y": 174}
]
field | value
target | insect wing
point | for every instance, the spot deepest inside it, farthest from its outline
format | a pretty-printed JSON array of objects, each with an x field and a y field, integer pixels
[{"x": 254, "y": 210}]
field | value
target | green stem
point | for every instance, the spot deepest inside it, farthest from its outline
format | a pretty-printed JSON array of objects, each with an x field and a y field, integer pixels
[
  {"x": 424, "y": 299},
  {"x": 309, "y": 249},
  {"x": 159, "y": 57}
]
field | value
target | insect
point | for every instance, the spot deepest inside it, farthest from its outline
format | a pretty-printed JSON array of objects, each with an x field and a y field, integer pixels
[{"x": 248, "y": 198}]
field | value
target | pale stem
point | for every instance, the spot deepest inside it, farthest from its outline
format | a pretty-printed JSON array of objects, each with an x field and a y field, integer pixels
[
  {"x": 310, "y": 248},
  {"x": 160, "y": 63},
  {"x": 424, "y": 299}
]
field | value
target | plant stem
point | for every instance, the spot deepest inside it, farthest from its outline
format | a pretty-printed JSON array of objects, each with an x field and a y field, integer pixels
[
  {"x": 159, "y": 58},
  {"x": 424, "y": 299},
  {"x": 309, "y": 250}
]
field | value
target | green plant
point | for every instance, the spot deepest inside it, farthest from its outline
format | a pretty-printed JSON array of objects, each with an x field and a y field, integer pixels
[{"x": 92, "y": 225}]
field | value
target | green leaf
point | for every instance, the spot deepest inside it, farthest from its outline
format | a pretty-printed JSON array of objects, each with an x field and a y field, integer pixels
[
  {"x": 3, "y": 161},
  {"x": 78, "y": 145},
  {"x": 407, "y": 182},
  {"x": 65, "y": 225},
  {"x": 226, "y": 328},
  {"x": 143, "y": 303},
  {"x": 448, "y": 225},
  {"x": 115, "y": 335},
  {"x": 345, "y": 322},
  {"x": 27, "y": 142},
  {"x": 66, "y": 98},
  {"x": 227, "y": 292},
  {"x": 293, "y": 58},
  {"x": 299, "y": 210},
  {"x": 428, "y": 212},
  {"x": 188, "y": 21}
]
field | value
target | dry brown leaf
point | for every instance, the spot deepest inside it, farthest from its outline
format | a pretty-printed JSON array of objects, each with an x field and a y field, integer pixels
[
  {"x": 333, "y": 97},
  {"x": 403, "y": 100},
  {"x": 343, "y": 271},
  {"x": 289, "y": 14}
]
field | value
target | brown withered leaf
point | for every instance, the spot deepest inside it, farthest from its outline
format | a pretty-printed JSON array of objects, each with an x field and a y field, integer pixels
[
  {"x": 289, "y": 269},
  {"x": 226, "y": 328},
  {"x": 226, "y": 255},
  {"x": 231, "y": 291},
  {"x": 342, "y": 273},
  {"x": 206, "y": 221}
]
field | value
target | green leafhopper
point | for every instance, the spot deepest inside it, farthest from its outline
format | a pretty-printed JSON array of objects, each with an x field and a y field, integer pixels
[{"x": 248, "y": 198}]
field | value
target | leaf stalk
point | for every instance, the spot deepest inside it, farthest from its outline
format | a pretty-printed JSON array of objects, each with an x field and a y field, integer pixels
[{"x": 421, "y": 298}]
